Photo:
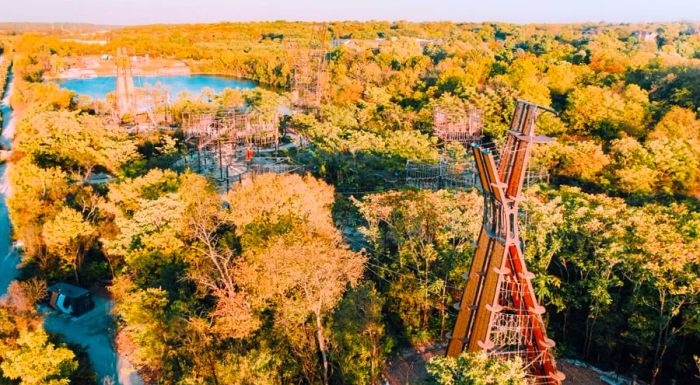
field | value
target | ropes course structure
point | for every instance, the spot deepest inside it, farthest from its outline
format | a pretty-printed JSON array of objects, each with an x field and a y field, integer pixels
[
  {"x": 229, "y": 146},
  {"x": 232, "y": 126},
  {"x": 308, "y": 72},
  {"x": 460, "y": 175},
  {"x": 463, "y": 125},
  {"x": 126, "y": 93},
  {"x": 446, "y": 174},
  {"x": 499, "y": 313}
]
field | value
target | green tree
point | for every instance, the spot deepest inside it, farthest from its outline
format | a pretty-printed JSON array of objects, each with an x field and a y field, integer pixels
[
  {"x": 420, "y": 241},
  {"x": 663, "y": 252},
  {"x": 476, "y": 369},
  {"x": 148, "y": 322},
  {"x": 360, "y": 339},
  {"x": 74, "y": 142},
  {"x": 37, "y": 361},
  {"x": 632, "y": 167},
  {"x": 68, "y": 236}
]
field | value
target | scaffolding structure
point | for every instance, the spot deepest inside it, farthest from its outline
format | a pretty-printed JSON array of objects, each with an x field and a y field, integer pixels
[
  {"x": 308, "y": 72},
  {"x": 276, "y": 165},
  {"x": 499, "y": 313},
  {"x": 233, "y": 126},
  {"x": 126, "y": 93},
  {"x": 228, "y": 169},
  {"x": 231, "y": 146},
  {"x": 148, "y": 107},
  {"x": 445, "y": 174},
  {"x": 463, "y": 125}
]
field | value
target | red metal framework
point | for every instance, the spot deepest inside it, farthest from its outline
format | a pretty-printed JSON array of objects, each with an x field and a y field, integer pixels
[{"x": 499, "y": 313}]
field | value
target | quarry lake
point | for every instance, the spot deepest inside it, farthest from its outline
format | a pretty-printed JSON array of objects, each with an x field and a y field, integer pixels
[{"x": 99, "y": 87}]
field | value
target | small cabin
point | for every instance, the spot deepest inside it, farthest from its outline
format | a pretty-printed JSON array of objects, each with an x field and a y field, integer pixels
[{"x": 69, "y": 299}]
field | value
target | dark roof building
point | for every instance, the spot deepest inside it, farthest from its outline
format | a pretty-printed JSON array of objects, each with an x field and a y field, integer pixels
[{"x": 70, "y": 299}]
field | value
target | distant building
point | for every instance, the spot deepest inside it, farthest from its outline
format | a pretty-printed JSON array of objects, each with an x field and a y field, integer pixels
[
  {"x": 590, "y": 32},
  {"x": 350, "y": 43},
  {"x": 645, "y": 36}
]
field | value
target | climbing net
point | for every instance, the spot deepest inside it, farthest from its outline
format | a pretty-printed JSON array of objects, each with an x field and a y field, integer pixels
[{"x": 446, "y": 173}]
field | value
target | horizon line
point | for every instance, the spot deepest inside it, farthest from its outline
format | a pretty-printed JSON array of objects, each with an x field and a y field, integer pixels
[{"x": 427, "y": 21}]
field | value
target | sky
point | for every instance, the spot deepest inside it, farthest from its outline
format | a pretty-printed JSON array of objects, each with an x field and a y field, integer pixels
[{"x": 121, "y": 12}]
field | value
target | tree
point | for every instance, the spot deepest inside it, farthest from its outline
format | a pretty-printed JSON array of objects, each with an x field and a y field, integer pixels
[
  {"x": 307, "y": 275},
  {"x": 677, "y": 123},
  {"x": 420, "y": 242},
  {"x": 607, "y": 112},
  {"x": 632, "y": 167},
  {"x": 148, "y": 213},
  {"x": 74, "y": 142},
  {"x": 580, "y": 160},
  {"x": 591, "y": 258},
  {"x": 38, "y": 193},
  {"x": 293, "y": 256},
  {"x": 360, "y": 340},
  {"x": 664, "y": 252},
  {"x": 36, "y": 361},
  {"x": 257, "y": 366},
  {"x": 476, "y": 369},
  {"x": 526, "y": 74},
  {"x": 563, "y": 76},
  {"x": 540, "y": 231},
  {"x": 159, "y": 311},
  {"x": 148, "y": 322},
  {"x": 22, "y": 297},
  {"x": 68, "y": 236},
  {"x": 677, "y": 163},
  {"x": 213, "y": 259}
]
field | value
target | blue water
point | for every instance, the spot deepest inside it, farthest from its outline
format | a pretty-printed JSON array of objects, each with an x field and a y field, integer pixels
[
  {"x": 9, "y": 259},
  {"x": 99, "y": 87}
]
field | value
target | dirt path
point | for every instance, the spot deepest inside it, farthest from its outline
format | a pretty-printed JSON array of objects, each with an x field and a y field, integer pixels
[
  {"x": 408, "y": 366},
  {"x": 578, "y": 375}
]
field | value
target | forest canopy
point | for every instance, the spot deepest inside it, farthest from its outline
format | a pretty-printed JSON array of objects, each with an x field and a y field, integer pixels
[{"x": 330, "y": 277}]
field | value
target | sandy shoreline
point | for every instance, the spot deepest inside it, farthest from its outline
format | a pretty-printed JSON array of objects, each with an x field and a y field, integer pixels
[{"x": 105, "y": 65}]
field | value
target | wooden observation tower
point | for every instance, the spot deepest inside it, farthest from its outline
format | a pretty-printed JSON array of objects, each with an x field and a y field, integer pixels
[{"x": 499, "y": 313}]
